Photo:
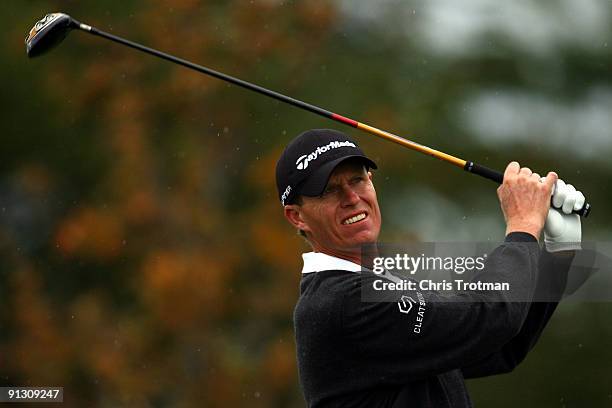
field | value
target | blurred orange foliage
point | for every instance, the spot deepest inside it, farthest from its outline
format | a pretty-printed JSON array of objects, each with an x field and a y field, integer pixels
[{"x": 90, "y": 232}]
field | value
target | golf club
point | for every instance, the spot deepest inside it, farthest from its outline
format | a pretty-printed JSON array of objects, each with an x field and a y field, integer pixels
[{"x": 53, "y": 28}]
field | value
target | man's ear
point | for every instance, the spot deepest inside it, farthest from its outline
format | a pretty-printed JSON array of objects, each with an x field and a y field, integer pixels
[{"x": 293, "y": 214}]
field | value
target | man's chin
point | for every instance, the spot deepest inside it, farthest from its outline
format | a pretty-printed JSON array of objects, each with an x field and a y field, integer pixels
[{"x": 364, "y": 239}]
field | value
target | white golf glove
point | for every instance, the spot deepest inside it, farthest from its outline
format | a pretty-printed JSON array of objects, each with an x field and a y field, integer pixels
[{"x": 563, "y": 231}]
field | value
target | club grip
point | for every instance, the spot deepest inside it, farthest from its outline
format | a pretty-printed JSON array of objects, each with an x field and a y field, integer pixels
[
  {"x": 484, "y": 172},
  {"x": 498, "y": 177}
]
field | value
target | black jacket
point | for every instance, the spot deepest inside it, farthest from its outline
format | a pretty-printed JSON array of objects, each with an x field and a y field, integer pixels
[{"x": 364, "y": 354}]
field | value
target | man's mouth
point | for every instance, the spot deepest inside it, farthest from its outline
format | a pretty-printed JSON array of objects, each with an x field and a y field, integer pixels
[{"x": 355, "y": 218}]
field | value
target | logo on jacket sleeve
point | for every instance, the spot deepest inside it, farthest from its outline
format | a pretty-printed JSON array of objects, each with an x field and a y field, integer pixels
[{"x": 405, "y": 304}]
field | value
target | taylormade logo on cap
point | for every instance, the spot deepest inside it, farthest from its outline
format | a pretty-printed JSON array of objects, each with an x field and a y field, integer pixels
[{"x": 302, "y": 161}]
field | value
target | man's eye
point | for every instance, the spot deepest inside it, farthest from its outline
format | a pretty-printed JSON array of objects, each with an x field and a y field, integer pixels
[{"x": 329, "y": 190}]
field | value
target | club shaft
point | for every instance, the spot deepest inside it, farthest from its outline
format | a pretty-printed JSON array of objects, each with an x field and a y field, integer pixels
[{"x": 468, "y": 166}]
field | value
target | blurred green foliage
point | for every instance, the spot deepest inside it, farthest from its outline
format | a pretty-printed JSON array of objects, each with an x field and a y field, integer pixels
[{"x": 144, "y": 258}]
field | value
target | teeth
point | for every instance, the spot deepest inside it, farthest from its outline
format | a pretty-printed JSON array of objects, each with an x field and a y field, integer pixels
[{"x": 356, "y": 218}]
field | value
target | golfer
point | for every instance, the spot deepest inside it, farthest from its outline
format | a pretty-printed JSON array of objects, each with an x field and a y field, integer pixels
[{"x": 353, "y": 353}]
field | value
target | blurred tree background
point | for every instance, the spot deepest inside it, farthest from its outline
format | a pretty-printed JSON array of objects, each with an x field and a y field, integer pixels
[{"x": 144, "y": 260}]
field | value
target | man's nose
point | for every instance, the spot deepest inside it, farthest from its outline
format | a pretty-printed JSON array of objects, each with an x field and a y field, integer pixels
[{"x": 349, "y": 196}]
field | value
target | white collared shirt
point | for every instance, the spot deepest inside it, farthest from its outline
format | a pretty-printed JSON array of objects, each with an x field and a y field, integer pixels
[{"x": 318, "y": 262}]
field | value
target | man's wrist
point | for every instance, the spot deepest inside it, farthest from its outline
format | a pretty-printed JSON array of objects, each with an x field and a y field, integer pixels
[
  {"x": 532, "y": 230},
  {"x": 520, "y": 236}
]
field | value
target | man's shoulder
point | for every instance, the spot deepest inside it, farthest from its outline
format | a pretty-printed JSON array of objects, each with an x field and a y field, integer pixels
[
  {"x": 319, "y": 307},
  {"x": 332, "y": 282},
  {"x": 325, "y": 290},
  {"x": 336, "y": 282}
]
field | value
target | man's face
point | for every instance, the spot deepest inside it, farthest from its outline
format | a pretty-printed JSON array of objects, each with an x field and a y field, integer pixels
[{"x": 346, "y": 215}]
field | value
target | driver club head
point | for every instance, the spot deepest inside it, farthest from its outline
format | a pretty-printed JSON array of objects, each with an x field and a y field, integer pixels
[{"x": 48, "y": 32}]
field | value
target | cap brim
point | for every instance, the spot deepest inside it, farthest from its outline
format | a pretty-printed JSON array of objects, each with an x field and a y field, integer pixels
[{"x": 316, "y": 182}]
